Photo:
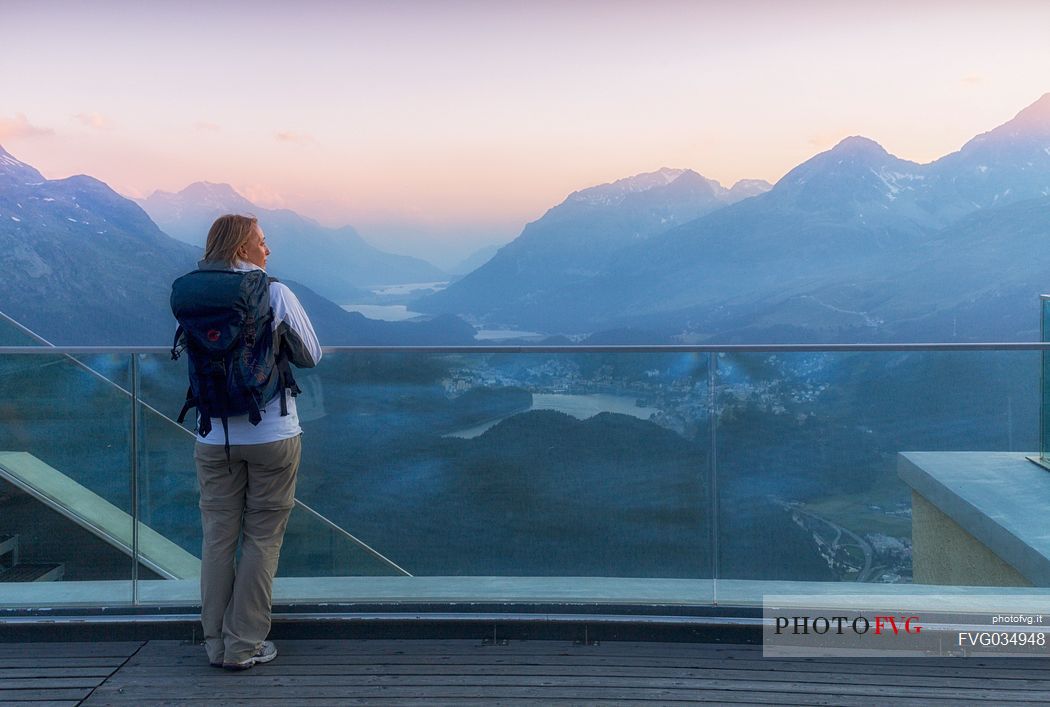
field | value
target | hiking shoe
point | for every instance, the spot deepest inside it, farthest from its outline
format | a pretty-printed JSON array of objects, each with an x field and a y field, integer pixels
[{"x": 266, "y": 652}]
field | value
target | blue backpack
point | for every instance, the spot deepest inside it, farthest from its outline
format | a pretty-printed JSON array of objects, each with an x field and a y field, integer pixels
[{"x": 236, "y": 362}]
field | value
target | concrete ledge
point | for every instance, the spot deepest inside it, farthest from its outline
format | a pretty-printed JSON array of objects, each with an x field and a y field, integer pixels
[
  {"x": 996, "y": 517},
  {"x": 943, "y": 552}
]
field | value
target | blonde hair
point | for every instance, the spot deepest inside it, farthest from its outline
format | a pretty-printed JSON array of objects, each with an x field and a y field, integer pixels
[{"x": 227, "y": 235}]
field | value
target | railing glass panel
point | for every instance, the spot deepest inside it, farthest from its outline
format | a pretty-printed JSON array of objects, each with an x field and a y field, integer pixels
[
  {"x": 65, "y": 471},
  {"x": 808, "y": 449},
  {"x": 1044, "y": 404},
  {"x": 541, "y": 465}
]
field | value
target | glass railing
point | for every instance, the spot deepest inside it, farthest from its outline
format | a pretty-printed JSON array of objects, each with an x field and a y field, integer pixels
[
  {"x": 1044, "y": 372},
  {"x": 658, "y": 475},
  {"x": 808, "y": 446}
]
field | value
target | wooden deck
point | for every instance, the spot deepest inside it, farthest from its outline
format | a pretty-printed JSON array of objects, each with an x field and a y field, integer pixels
[{"x": 456, "y": 672}]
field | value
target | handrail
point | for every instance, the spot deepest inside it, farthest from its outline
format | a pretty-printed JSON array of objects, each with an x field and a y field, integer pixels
[{"x": 627, "y": 348}]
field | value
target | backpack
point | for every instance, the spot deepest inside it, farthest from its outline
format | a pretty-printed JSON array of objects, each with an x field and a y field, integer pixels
[{"x": 236, "y": 362}]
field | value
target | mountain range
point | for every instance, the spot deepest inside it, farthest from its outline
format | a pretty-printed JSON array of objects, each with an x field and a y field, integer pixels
[
  {"x": 853, "y": 244},
  {"x": 75, "y": 255},
  {"x": 579, "y": 239},
  {"x": 337, "y": 262},
  {"x": 82, "y": 265}
]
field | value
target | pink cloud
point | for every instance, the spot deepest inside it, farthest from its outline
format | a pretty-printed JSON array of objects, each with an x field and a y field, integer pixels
[
  {"x": 19, "y": 127},
  {"x": 263, "y": 196},
  {"x": 129, "y": 190},
  {"x": 972, "y": 79},
  {"x": 206, "y": 127},
  {"x": 95, "y": 120},
  {"x": 295, "y": 138}
]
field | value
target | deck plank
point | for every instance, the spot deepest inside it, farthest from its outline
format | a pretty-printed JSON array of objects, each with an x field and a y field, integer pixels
[
  {"x": 56, "y": 673},
  {"x": 50, "y": 683},
  {"x": 48, "y": 672},
  {"x": 47, "y": 650},
  {"x": 43, "y": 695},
  {"x": 100, "y": 662}
]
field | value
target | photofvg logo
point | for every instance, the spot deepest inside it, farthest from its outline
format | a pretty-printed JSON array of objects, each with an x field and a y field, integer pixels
[
  {"x": 859, "y": 625},
  {"x": 850, "y": 625},
  {"x": 789, "y": 632}
]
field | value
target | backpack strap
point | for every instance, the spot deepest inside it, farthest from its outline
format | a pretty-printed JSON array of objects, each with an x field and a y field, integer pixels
[
  {"x": 191, "y": 402},
  {"x": 254, "y": 414},
  {"x": 204, "y": 425},
  {"x": 226, "y": 442},
  {"x": 282, "y": 362},
  {"x": 175, "y": 348},
  {"x": 225, "y": 418},
  {"x": 288, "y": 384}
]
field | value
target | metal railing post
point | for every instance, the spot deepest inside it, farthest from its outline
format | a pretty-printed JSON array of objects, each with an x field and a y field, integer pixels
[
  {"x": 134, "y": 453},
  {"x": 712, "y": 466}
]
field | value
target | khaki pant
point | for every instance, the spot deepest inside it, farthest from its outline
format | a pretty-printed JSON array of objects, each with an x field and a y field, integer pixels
[{"x": 248, "y": 500}]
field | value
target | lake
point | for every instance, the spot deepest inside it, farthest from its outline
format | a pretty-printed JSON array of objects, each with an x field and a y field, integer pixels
[
  {"x": 408, "y": 288},
  {"x": 401, "y": 313},
  {"x": 384, "y": 312},
  {"x": 579, "y": 406}
]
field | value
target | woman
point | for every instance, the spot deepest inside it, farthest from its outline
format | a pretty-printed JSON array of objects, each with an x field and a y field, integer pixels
[{"x": 248, "y": 495}]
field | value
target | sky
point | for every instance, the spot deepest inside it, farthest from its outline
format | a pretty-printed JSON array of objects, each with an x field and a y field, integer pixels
[{"x": 436, "y": 127}]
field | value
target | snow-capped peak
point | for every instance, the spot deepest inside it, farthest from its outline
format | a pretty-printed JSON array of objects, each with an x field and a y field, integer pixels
[
  {"x": 615, "y": 192},
  {"x": 17, "y": 169},
  {"x": 8, "y": 160},
  {"x": 644, "y": 182}
]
